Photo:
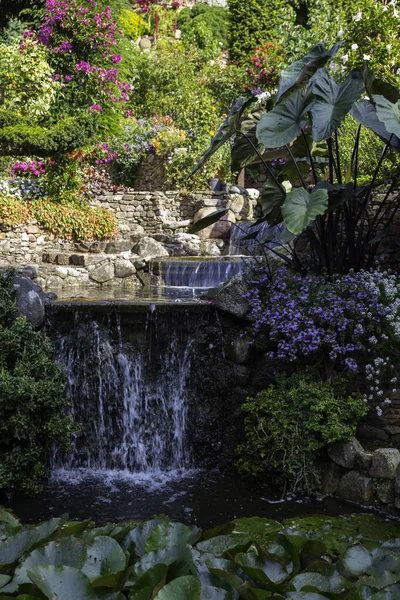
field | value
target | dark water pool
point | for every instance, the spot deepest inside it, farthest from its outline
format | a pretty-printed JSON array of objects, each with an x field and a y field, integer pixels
[{"x": 205, "y": 498}]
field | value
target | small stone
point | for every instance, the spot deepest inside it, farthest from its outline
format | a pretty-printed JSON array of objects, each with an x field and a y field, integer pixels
[
  {"x": 363, "y": 461},
  {"x": 77, "y": 259},
  {"x": 384, "y": 463},
  {"x": 62, "y": 259},
  {"x": 62, "y": 272},
  {"x": 118, "y": 246},
  {"x": 148, "y": 248},
  {"x": 369, "y": 432},
  {"x": 124, "y": 268},
  {"x": 32, "y": 229},
  {"x": 229, "y": 297},
  {"x": 102, "y": 273},
  {"x": 356, "y": 487},
  {"x": 97, "y": 247},
  {"x": 24, "y": 237},
  {"x": 344, "y": 453}
]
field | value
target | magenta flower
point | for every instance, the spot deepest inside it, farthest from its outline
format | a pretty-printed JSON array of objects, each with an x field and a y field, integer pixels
[{"x": 95, "y": 107}]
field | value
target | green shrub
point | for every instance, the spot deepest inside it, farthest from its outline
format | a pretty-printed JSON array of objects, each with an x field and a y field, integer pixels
[
  {"x": 289, "y": 422},
  {"x": 13, "y": 212},
  {"x": 32, "y": 400},
  {"x": 206, "y": 26},
  {"x": 132, "y": 24}
]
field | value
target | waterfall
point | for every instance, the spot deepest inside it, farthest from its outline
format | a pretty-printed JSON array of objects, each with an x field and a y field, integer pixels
[
  {"x": 254, "y": 246},
  {"x": 130, "y": 397},
  {"x": 199, "y": 274}
]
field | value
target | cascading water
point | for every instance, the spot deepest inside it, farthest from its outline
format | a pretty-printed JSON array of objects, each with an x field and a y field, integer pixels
[
  {"x": 253, "y": 246},
  {"x": 199, "y": 274},
  {"x": 129, "y": 397}
]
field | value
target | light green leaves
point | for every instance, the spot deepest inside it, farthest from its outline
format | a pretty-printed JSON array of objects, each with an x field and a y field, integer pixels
[
  {"x": 301, "y": 208},
  {"x": 388, "y": 113}
]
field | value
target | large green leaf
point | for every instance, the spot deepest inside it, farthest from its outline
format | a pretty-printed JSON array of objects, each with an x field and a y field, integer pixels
[
  {"x": 210, "y": 592},
  {"x": 298, "y": 74},
  {"x": 364, "y": 112},
  {"x": 223, "y": 543},
  {"x": 171, "y": 534},
  {"x": 226, "y": 131},
  {"x": 272, "y": 200},
  {"x": 304, "y": 596},
  {"x": 182, "y": 588},
  {"x": 180, "y": 555},
  {"x": 135, "y": 540},
  {"x": 14, "y": 546},
  {"x": 332, "y": 101},
  {"x": 373, "y": 86},
  {"x": 356, "y": 561},
  {"x": 242, "y": 153},
  {"x": 301, "y": 208},
  {"x": 388, "y": 113},
  {"x": 265, "y": 571},
  {"x": 284, "y": 122},
  {"x": 104, "y": 557},
  {"x": 67, "y": 583},
  {"x": 153, "y": 579},
  {"x": 7, "y": 517},
  {"x": 339, "y": 193}
]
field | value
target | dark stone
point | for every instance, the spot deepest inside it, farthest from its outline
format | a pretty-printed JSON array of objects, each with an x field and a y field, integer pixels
[
  {"x": 344, "y": 453},
  {"x": 31, "y": 271},
  {"x": 49, "y": 297},
  {"x": 356, "y": 487},
  {"x": 30, "y": 299},
  {"x": 77, "y": 259},
  {"x": 385, "y": 492},
  {"x": 229, "y": 297},
  {"x": 118, "y": 246},
  {"x": 97, "y": 247},
  {"x": 238, "y": 350},
  {"x": 62, "y": 259},
  {"x": 83, "y": 246},
  {"x": 242, "y": 374},
  {"x": 368, "y": 432},
  {"x": 363, "y": 461},
  {"x": 331, "y": 475},
  {"x": 384, "y": 463}
]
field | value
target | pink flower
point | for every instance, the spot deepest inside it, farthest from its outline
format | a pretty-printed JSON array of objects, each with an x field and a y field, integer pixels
[{"x": 95, "y": 107}]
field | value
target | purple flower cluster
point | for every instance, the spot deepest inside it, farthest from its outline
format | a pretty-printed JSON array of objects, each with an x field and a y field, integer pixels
[
  {"x": 312, "y": 316},
  {"x": 33, "y": 167}
]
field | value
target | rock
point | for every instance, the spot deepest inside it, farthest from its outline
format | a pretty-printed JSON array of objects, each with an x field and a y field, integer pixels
[
  {"x": 242, "y": 374},
  {"x": 118, "y": 246},
  {"x": 238, "y": 350},
  {"x": 31, "y": 271},
  {"x": 369, "y": 432},
  {"x": 356, "y": 487},
  {"x": 344, "y": 453},
  {"x": 331, "y": 476},
  {"x": 363, "y": 461},
  {"x": 30, "y": 299},
  {"x": 136, "y": 230},
  {"x": 384, "y": 463},
  {"x": 49, "y": 297},
  {"x": 124, "y": 268},
  {"x": 97, "y": 247},
  {"x": 78, "y": 260},
  {"x": 241, "y": 206},
  {"x": 210, "y": 249},
  {"x": 145, "y": 43},
  {"x": 62, "y": 259},
  {"x": 148, "y": 248},
  {"x": 385, "y": 492},
  {"x": 229, "y": 297},
  {"x": 32, "y": 229},
  {"x": 397, "y": 482},
  {"x": 102, "y": 273},
  {"x": 221, "y": 229}
]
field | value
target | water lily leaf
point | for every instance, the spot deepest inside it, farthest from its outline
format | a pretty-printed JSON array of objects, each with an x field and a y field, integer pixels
[
  {"x": 7, "y": 517},
  {"x": 166, "y": 556},
  {"x": 242, "y": 153},
  {"x": 4, "y": 579},
  {"x": 242, "y": 587},
  {"x": 150, "y": 580},
  {"x": 72, "y": 528},
  {"x": 104, "y": 557},
  {"x": 255, "y": 527},
  {"x": 182, "y": 588},
  {"x": 332, "y": 101},
  {"x": 364, "y": 112},
  {"x": 298, "y": 74},
  {"x": 14, "y": 546},
  {"x": 267, "y": 572},
  {"x": 69, "y": 552},
  {"x": 171, "y": 534},
  {"x": 226, "y": 131},
  {"x": 135, "y": 540},
  {"x": 388, "y": 113},
  {"x": 390, "y": 593},
  {"x": 67, "y": 583},
  {"x": 301, "y": 208},
  {"x": 224, "y": 543},
  {"x": 284, "y": 122},
  {"x": 356, "y": 561},
  {"x": 208, "y": 220},
  {"x": 304, "y": 596},
  {"x": 210, "y": 592}
]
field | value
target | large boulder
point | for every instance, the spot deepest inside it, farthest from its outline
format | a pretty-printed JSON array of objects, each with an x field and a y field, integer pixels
[
  {"x": 221, "y": 229},
  {"x": 384, "y": 463},
  {"x": 149, "y": 248},
  {"x": 229, "y": 297},
  {"x": 102, "y": 273},
  {"x": 30, "y": 299},
  {"x": 344, "y": 453},
  {"x": 357, "y": 488}
]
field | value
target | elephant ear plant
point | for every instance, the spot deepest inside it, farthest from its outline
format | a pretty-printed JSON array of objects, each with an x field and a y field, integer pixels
[{"x": 343, "y": 223}]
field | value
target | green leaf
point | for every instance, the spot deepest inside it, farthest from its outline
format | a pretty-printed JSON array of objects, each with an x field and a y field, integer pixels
[
  {"x": 4, "y": 579},
  {"x": 210, "y": 592},
  {"x": 390, "y": 593},
  {"x": 364, "y": 112},
  {"x": 7, "y": 517},
  {"x": 208, "y": 220},
  {"x": 373, "y": 86},
  {"x": 182, "y": 588},
  {"x": 153, "y": 578},
  {"x": 298, "y": 74},
  {"x": 236, "y": 582},
  {"x": 67, "y": 583},
  {"x": 284, "y": 122},
  {"x": 171, "y": 534},
  {"x": 226, "y": 131},
  {"x": 272, "y": 200},
  {"x": 388, "y": 113},
  {"x": 242, "y": 153},
  {"x": 222, "y": 543},
  {"x": 332, "y": 102},
  {"x": 356, "y": 561},
  {"x": 166, "y": 556},
  {"x": 104, "y": 557},
  {"x": 304, "y": 596},
  {"x": 301, "y": 208},
  {"x": 12, "y": 548},
  {"x": 135, "y": 539},
  {"x": 266, "y": 572}
]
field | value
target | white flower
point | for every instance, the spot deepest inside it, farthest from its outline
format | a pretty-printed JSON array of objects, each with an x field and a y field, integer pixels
[
  {"x": 345, "y": 58},
  {"x": 354, "y": 46},
  {"x": 333, "y": 67},
  {"x": 340, "y": 33},
  {"x": 387, "y": 401},
  {"x": 358, "y": 16},
  {"x": 378, "y": 411},
  {"x": 366, "y": 56}
]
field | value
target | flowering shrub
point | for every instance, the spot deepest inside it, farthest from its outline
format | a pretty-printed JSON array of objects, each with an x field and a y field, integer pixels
[
  {"x": 13, "y": 212},
  {"x": 288, "y": 423},
  {"x": 132, "y": 24},
  {"x": 346, "y": 324},
  {"x": 82, "y": 43},
  {"x": 266, "y": 63},
  {"x": 27, "y": 83}
]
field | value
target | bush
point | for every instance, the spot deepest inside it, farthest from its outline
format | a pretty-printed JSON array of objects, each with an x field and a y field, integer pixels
[
  {"x": 289, "y": 422},
  {"x": 32, "y": 400},
  {"x": 13, "y": 212},
  {"x": 132, "y": 24},
  {"x": 207, "y": 27}
]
